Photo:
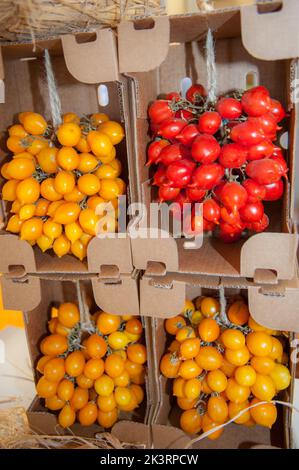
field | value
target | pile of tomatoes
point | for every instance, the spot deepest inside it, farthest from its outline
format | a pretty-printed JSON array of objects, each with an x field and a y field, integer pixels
[
  {"x": 93, "y": 376},
  {"x": 63, "y": 183},
  {"x": 222, "y": 366},
  {"x": 224, "y": 155}
]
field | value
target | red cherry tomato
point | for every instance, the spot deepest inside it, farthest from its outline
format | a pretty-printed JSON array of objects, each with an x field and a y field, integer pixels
[
  {"x": 232, "y": 218},
  {"x": 247, "y": 134},
  {"x": 211, "y": 211},
  {"x": 154, "y": 150},
  {"x": 267, "y": 124},
  {"x": 256, "y": 101},
  {"x": 168, "y": 193},
  {"x": 205, "y": 149},
  {"x": 196, "y": 194},
  {"x": 188, "y": 134},
  {"x": 252, "y": 212},
  {"x": 184, "y": 114},
  {"x": 264, "y": 171},
  {"x": 193, "y": 224},
  {"x": 179, "y": 173},
  {"x": 160, "y": 176},
  {"x": 173, "y": 96},
  {"x": 229, "y": 233},
  {"x": 170, "y": 128},
  {"x": 172, "y": 153},
  {"x": 277, "y": 110},
  {"x": 229, "y": 108},
  {"x": 217, "y": 190},
  {"x": 209, "y": 122},
  {"x": 255, "y": 191},
  {"x": 207, "y": 176},
  {"x": 233, "y": 156},
  {"x": 159, "y": 111},
  {"x": 261, "y": 150},
  {"x": 195, "y": 93},
  {"x": 283, "y": 167},
  {"x": 261, "y": 225},
  {"x": 273, "y": 191},
  {"x": 233, "y": 196},
  {"x": 180, "y": 200},
  {"x": 208, "y": 226}
]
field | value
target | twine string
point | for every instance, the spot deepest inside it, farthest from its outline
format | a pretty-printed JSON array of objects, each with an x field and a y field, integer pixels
[
  {"x": 85, "y": 322},
  {"x": 54, "y": 99},
  {"x": 222, "y": 300},
  {"x": 211, "y": 67}
]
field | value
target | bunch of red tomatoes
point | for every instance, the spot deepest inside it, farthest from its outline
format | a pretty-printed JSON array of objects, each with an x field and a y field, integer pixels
[
  {"x": 220, "y": 367},
  {"x": 223, "y": 155},
  {"x": 63, "y": 184},
  {"x": 92, "y": 376}
]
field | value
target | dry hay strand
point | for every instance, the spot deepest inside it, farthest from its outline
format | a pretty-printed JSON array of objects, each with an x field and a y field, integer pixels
[
  {"x": 15, "y": 433},
  {"x": 31, "y": 20}
]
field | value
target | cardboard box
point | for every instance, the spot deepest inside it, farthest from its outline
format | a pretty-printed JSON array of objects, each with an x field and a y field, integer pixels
[
  {"x": 244, "y": 54},
  {"x": 167, "y": 413},
  {"x": 80, "y": 63},
  {"x": 54, "y": 292}
]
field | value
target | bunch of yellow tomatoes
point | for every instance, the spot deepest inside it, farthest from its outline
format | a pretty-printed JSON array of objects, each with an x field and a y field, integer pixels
[
  {"x": 63, "y": 183},
  {"x": 91, "y": 377},
  {"x": 221, "y": 366}
]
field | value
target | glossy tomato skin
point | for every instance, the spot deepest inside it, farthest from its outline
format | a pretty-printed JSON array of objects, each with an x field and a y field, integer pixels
[
  {"x": 168, "y": 193},
  {"x": 160, "y": 176},
  {"x": 261, "y": 225},
  {"x": 209, "y": 122},
  {"x": 256, "y": 101},
  {"x": 255, "y": 191},
  {"x": 282, "y": 164},
  {"x": 233, "y": 196},
  {"x": 273, "y": 191},
  {"x": 229, "y": 108},
  {"x": 159, "y": 111},
  {"x": 261, "y": 150},
  {"x": 230, "y": 233},
  {"x": 172, "y": 153},
  {"x": 267, "y": 124},
  {"x": 188, "y": 134},
  {"x": 173, "y": 96},
  {"x": 276, "y": 109},
  {"x": 195, "y": 194},
  {"x": 247, "y": 134},
  {"x": 211, "y": 211},
  {"x": 233, "y": 155},
  {"x": 195, "y": 93},
  {"x": 264, "y": 171},
  {"x": 232, "y": 218},
  {"x": 170, "y": 128},
  {"x": 179, "y": 173},
  {"x": 154, "y": 150},
  {"x": 185, "y": 114},
  {"x": 207, "y": 176},
  {"x": 252, "y": 212},
  {"x": 205, "y": 149}
]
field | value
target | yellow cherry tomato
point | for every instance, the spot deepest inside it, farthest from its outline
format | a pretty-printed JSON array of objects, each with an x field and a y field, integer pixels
[
  {"x": 235, "y": 408},
  {"x": 107, "y": 224},
  {"x": 67, "y": 158},
  {"x": 79, "y": 249},
  {"x": 9, "y": 190},
  {"x": 109, "y": 157},
  {"x": 69, "y": 134},
  {"x": 70, "y": 117},
  {"x": 85, "y": 238},
  {"x": 14, "y": 224},
  {"x": 27, "y": 211},
  {"x": 73, "y": 231},
  {"x": 52, "y": 229},
  {"x": 44, "y": 242},
  {"x": 262, "y": 364},
  {"x": 89, "y": 184},
  {"x": 67, "y": 416},
  {"x": 4, "y": 171},
  {"x": 87, "y": 162},
  {"x": 16, "y": 206},
  {"x": 15, "y": 144},
  {"x": 97, "y": 119},
  {"x": 121, "y": 185},
  {"x": 264, "y": 415},
  {"x": 245, "y": 375},
  {"x": 259, "y": 343},
  {"x": 100, "y": 143},
  {"x": 61, "y": 246},
  {"x": 25, "y": 155},
  {"x": 264, "y": 387},
  {"x": 209, "y": 307},
  {"x": 17, "y": 130},
  {"x": 64, "y": 182},
  {"x": 74, "y": 196},
  {"x": 83, "y": 145},
  {"x": 34, "y": 144},
  {"x": 41, "y": 207},
  {"x": 53, "y": 206},
  {"x": 67, "y": 213},
  {"x": 34, "y": 124},
  {"x": 109, "y": 189},
  {"x": 22, "y": 115},
  {"x": 117, "y": 340},
  {"x": 21, "y": 168},
  {"x": 281, "y": 376},
  {"x": 48, "y": 191},
  {"x": 28, "y": 191},
  {"x": 88, "y": 221},
  {"x": 95, "y": 202},
  {"x": 113, "y": 130},
  {"x": 31, "y": 229}
]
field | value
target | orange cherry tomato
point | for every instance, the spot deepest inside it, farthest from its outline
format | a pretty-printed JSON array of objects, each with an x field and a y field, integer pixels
[
  {"x": 169, "y": 366},
  {"x": 54, "y": 369},
  {"x": 208, "y": 424},
  {"x": 108, "y": 323},
  {"x": 233, "y": 339},
  {"x": 94, "y": 368},
  {"x": 96, "y": 346},
  {"x": 238, "y": 313},
  {"x": 217, "y": 409},
  {"x": 79, "y": 398},
  {"x": 208, "y": 330},
  {"x": 88, "y": 414},
  {"x": 114, "y": 365},
  {"x": 235, "y": 392},
  {"x": 67, "y": 416},
  {"x": 209, "y": 358},
  {"x": 172, "y": 325},
  {"x": 65, "y": 389},
  {"x": 189, "y": 348},
  {"x": 235, "y": 408},
  {"x": 217, "y": 380},
  {"x": 54, "y": 345},
  {"x": 190, "y": 421},
  {"x": 264, "y": 415}
]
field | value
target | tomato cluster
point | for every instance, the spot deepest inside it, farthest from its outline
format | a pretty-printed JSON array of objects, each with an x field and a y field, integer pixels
[
  {"x": 63, "y": 184},
  {"x": 221, "y": 366},
  {"x": 91, "y": 377},
  {"x": 223, "y": 155}
]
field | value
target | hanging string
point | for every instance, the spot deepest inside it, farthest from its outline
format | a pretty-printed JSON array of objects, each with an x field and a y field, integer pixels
[
  {"x": 85, "y": 322},
  {"x": 53, "y": 93},
  {"x": 222, "y": 300},
  {"x": 221, "y": 426},
  {"x": 211, "y": 67}
]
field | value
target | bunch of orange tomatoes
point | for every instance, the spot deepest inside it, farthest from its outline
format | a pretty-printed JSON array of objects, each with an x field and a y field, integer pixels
[
  {"x": 63, "y": 183},
  {"x": 91, "y": 377},
  {"x": 221, "y": 365}
]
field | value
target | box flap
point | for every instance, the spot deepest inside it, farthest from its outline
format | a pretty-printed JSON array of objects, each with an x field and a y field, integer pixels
[
  {"x": 101, "y": 53},
  {"x": 110, "y": 251},
  {"x": 133, "y": 44},
  {"x": 169, "y": 437},
  {"x": 119, "y": 298},
  {"x": 135, "y": 433},
  {"x": 260, "y": 31},
  {"x": 20, "y": 294},
  {"x": 266, "y": 251},
  {"x": 160, "y": 250},
  {"x": 16, "y": 252}
]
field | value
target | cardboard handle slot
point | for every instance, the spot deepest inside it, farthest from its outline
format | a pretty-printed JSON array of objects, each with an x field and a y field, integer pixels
[
  {"x": 260, "y": 28},
  {"x": 16, "y": 271},
  {"x": 109, "y": 271},
  {"x": 269, "y": 8},
  {"x": 155, "y": 268},
  {"x": 146, "y": 23}
]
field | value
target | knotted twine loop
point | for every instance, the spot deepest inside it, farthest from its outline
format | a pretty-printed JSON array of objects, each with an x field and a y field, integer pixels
[
  {"x": 54, "y": 99},
  {"x": 85, "y": 322},
  {"x": 211, "y": 67}
]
